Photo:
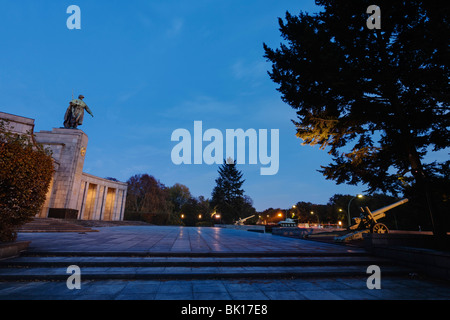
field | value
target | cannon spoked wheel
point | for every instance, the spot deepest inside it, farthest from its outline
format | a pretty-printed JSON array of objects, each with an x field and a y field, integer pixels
[{"x": 380, "y": 228}]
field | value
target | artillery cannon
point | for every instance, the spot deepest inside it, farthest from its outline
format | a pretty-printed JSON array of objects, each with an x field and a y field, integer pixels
[
  {"x": 241, "y": 221},
  {"x": 368, "y": 222}
]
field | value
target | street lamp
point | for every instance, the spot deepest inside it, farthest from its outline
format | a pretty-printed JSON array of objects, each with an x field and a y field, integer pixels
[
  {"x": 318, "y": 220},
  {"x": 348, "y": 208},
  {"x": 342, "y": 216}
]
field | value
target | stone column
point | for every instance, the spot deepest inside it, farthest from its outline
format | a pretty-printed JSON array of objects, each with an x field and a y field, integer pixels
[
  {"x": 82, "y": 201},
  {"x": 103, "y": 203},
  {"x": 116, "y": 206},
  {"x": 122, "y": 205}
]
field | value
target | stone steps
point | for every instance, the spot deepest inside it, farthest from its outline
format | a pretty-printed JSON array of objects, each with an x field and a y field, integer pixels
[
  {"x": 48, "y": 267},
  {"x": 52, "y": 225},
  {"x": 173, "y": 273},
  {"x": 191, "y": 254},
  {"x": 30, "y": 262}
]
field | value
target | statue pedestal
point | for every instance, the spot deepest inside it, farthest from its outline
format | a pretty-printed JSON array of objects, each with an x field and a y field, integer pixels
[{"x": 69, "y": 150}]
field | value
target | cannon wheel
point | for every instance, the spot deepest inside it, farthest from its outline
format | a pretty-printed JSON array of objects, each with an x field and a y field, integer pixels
[{"x": 380, "y": 228}]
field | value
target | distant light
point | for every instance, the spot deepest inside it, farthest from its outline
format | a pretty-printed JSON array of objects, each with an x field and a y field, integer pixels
[
  {"x": 199, "y": 216},
  {"x": 340, "y": 210},
  {"x": 312, "y": 212},
  {"x": 182, "y": 216},
  {"x": 360, "y": 196},
  {"x": 294, "y": 206},
  {"x": 340, "y": 223},
  {"x": 280, "y": 215},
  {"x": 217, "y": 216}
]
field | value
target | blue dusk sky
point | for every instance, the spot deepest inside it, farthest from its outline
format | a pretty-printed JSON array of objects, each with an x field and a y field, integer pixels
[{"x": 147, "y": 68}]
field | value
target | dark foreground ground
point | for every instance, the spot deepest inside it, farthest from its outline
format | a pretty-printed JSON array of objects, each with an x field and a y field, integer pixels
[{"x": 188, "y": 263}]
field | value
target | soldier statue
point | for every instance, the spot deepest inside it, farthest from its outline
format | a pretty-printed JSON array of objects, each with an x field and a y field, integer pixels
[{"x": 75, "y": 113}]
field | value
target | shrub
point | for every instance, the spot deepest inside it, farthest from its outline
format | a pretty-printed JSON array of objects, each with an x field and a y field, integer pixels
[
  {"x": 204, "y": 224},
  {"x": 26, "y": 170}
]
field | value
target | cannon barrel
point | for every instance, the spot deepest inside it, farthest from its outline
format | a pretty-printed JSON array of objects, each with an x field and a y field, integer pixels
[
  {"x": 389, "y": 207},
  {"x": 241, "y": 220}
]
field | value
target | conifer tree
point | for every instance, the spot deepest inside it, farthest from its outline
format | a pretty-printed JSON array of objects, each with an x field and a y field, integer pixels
[
  {"x": 228, "y": 196},
  {"x": 377, "y": 99}
]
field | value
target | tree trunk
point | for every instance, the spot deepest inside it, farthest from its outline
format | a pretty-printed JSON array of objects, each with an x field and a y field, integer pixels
[{"x": 439, "y": 230}]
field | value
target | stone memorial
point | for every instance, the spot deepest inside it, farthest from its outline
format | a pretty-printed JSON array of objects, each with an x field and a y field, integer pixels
[{"x": 73, "y": 194}]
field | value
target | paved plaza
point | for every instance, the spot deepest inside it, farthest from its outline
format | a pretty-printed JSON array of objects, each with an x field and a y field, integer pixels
[
  {"x": 188, "y": 263},
  {"x": 174, "y": 239}
]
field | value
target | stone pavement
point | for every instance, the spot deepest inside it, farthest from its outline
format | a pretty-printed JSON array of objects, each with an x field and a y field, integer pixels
[
  {"x": 173, "y": 239},
  {"x": 187, "y": 263}
]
